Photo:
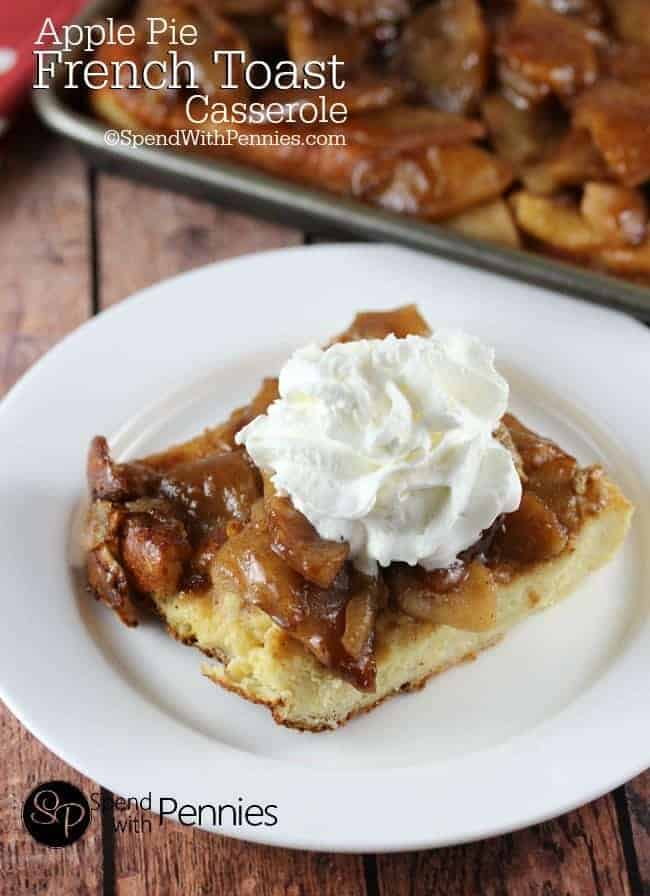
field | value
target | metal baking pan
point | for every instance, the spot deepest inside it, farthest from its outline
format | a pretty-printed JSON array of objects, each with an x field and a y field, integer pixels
[{"x": 246, "y": 189}]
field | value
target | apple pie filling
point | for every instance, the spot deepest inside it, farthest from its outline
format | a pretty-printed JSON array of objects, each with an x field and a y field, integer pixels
[{"x": 201, "y": 516}]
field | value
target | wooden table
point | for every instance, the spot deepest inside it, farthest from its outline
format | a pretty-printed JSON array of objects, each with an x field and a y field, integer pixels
[{"x": 72, "y": 242}]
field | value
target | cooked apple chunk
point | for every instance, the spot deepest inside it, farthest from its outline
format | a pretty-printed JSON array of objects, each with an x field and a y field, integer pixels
[
  {"x": 444, "y": 51},
  {"x": 470, "y": 604},
  {"x": 555, "y": 223},
  {"x": 573, "y": 161},
  {"x": 295, "y": 540},
  {"x": 365, "y": 13},
  {"x": 618, "y": 119},
  {"x": 619, "y": 214},
  {"x": 542, "y": 52},
  {"x": 631, "y": 262},
  {"x": 521, "y": 134},
  {"x": 312, "y": 35},
  {"x": 492, "y": 222},
  {"x": 631, "y": 20},
  {"x": 443, "y": 181},
  {"x": 402, "y": 128},
  {"x": 403, "y": 321}
]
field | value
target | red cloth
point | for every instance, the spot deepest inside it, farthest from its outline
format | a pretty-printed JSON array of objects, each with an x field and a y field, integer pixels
[{"x": 20, "y": 24}]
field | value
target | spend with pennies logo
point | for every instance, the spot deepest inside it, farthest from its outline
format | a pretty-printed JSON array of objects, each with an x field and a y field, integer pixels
[{"x": 56, "y": 814}]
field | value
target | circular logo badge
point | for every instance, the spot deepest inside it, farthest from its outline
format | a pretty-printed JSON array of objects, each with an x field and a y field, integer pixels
[{"x": 56, "y": 814}]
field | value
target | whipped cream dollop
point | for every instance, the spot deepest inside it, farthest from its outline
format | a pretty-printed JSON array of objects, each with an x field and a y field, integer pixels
[{"x": 388, "y": 445}]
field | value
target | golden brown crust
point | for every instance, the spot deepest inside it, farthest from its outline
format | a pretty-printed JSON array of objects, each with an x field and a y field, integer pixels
[{"x": 410, "y": 687}]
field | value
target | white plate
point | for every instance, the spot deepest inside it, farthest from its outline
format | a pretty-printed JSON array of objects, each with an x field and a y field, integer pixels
[{"x": 555, "y": 715}]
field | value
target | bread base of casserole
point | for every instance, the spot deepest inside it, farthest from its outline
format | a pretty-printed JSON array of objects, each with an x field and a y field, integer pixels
[{"x": 259, "y": 661}]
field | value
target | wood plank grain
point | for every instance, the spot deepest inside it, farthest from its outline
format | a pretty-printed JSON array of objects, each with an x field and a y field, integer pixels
[
  {"x": 174, "y": 860},
  {"x": 44, "y": 293},
  {"x": 578, "y": 854},
  {"x": 44, "y": 248},
  {"x": 148, "y": 234},
  {"x": 144, "y": 235},
  {"x": 638, "y": 804}
]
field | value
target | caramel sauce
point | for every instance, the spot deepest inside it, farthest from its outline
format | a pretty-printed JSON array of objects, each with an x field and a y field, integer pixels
[
  {"x": 298, "y": 543},
  {"x": 211, "y": 492},
  {"x": 557, "y": 497},
  {"x": 315, "y": 616},
  {"x": 401, "y": 322}
]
